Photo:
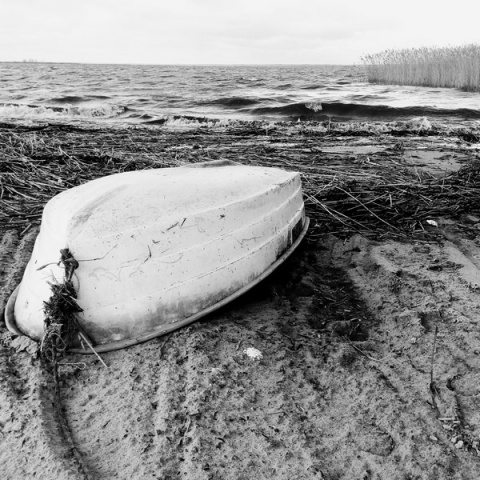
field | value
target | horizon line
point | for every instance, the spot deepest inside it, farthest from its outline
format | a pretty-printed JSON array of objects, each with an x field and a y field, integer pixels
[{"x": 177, "y": 64}]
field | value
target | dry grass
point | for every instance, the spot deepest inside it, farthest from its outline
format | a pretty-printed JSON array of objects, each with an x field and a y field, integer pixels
[
  {"x": 451, "y": 67},
  {"x": 343, "y": 197}
]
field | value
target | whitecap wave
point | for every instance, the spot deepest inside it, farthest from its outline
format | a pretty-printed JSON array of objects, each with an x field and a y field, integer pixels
[
  {"x": 315, "y": 106},
  {"x": 107, "y": 111},
  {"x": 193, "y": 123},
  {"x": 41, "y": 112}
]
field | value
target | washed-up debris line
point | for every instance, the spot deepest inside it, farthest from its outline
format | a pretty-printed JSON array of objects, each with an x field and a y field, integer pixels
[{"x": 343, "y": 196}]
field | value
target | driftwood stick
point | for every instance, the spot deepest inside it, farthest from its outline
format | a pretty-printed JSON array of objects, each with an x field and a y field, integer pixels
[
  {"x": 432, "y": 382},
  {"x": 434, "y": 390},
  {"x": 359, "y": 350},
  {"x": 85, "y": 339}
]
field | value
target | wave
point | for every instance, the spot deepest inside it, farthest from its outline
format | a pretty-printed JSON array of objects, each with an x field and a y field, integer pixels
[
  {"x": 391, "y": 113},
  {"x": 290, "y": 110},
  {"x": 232, "y": 102},
  {"x": 68, "y": 99},
  {"x": 77, "y": 99},
  {"x": 41, "y": 112},
  {"x": 313, "y": 87},
  {"x": 343, "y": 111},
  {"x": 284, "y": 86},
  {"x": 249, "y": 79},
  {"x": 189, "y": 122}
]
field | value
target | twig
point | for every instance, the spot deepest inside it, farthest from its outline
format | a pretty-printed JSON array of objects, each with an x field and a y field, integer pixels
[
  {"x": 85, "y": 339},
  {"x": 366, "y": 208},
  {"x": 434, "y": 390},
  {"x": 360, "y": 351},
  {"x": 80, "y": 365},
  {"x": 189, "y": 422}
]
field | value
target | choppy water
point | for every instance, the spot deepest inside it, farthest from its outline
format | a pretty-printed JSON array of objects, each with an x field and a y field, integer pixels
[{"x": 153, "y": 94}]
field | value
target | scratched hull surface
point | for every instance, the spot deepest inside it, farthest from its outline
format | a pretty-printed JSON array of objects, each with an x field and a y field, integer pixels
[{"x": 159, "y": 248}]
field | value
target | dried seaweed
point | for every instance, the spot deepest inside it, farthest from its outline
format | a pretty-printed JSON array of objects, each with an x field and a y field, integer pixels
[
  {"x": 344, "y": 193},
  {"x": 60, "y": 323},
  {"x": 61, "y": 327}
]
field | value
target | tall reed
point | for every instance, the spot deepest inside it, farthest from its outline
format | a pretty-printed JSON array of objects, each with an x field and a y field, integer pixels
[{"x": 450, "y": 67}]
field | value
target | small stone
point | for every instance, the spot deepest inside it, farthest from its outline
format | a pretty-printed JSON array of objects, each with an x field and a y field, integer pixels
[
  {"x": 253, "y": 353},
  {"x": 22, "y": 343},
  {"x": 453, "y": 439},
  {"x": 459, "y": 444},
  {"x": 434, "y": 438}
]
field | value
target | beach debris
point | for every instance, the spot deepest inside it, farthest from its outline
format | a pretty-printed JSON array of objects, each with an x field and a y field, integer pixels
[
  {"x": 253, "y": 353},
  {"x": 461, "y": 438},
  {"x": 60, "y": 324},
  {"x": 341, "y": 198},
  {"x": 399, "y": 147}
]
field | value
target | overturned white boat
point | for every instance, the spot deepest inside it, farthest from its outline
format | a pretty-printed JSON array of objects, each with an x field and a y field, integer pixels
[{"x": 158, "y": 249}]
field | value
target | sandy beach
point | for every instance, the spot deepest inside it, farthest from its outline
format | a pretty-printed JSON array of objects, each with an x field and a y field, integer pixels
[{"x": 369, "y": 333}]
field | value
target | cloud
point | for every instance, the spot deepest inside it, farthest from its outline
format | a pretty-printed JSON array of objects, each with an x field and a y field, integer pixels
[{"x": 219, "y": 31}]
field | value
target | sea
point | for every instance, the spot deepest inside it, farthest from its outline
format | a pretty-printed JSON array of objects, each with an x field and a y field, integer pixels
[{"x": 39, "y": 93}]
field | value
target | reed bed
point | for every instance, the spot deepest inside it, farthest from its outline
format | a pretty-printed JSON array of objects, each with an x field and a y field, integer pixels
[
  {"x": 449, "y": 67},
  {"x": 343, "y": 193}
]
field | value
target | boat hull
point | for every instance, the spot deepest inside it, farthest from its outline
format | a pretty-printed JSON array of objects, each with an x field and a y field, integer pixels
[{"x": 159, "y": 249}]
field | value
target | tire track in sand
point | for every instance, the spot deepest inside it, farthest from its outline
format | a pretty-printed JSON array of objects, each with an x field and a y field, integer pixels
[
  {"x": 34, "y": 439},
  {"x": 193, "y": 405}
]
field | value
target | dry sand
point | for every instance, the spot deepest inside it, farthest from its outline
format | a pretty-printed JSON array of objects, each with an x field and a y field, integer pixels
[{"x": 370, "y": 369}]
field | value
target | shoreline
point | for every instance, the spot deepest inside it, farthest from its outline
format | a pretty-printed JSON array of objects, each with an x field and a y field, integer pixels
[{"x": 368, "y": 332}]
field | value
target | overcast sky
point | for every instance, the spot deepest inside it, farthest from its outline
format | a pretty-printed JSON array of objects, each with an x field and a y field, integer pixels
[{"x": 228, "y": 31}]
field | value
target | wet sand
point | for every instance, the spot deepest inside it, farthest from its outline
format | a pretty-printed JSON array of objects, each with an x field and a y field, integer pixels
[{"x": 369, "y": 342}]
